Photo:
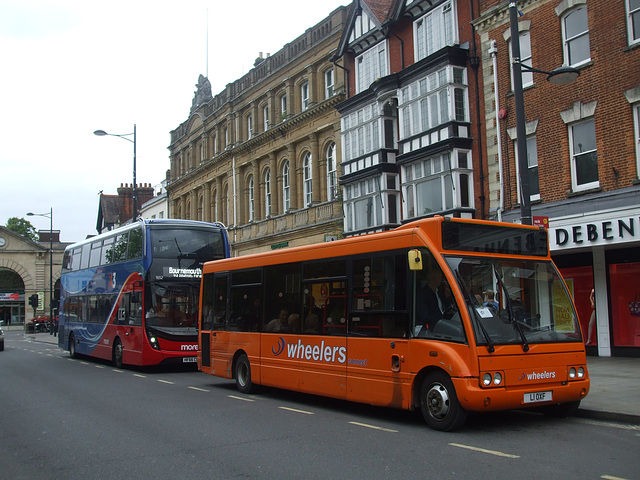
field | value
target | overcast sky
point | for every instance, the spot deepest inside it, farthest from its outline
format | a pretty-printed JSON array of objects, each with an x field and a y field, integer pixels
[{"x": 70, "y": 67}]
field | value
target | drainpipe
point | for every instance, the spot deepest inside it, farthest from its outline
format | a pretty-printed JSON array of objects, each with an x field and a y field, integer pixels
[
  {"x": 475, "y": 65},
  {"x": 493, "y": 51}
]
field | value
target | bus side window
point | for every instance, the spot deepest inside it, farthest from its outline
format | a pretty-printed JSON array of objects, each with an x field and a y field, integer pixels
[
  {"x": 220, "y": 303},
  {"x": 135, "y": 309}
]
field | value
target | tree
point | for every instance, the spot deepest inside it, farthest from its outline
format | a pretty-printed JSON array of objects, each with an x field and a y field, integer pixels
[{"x": 22, "y": 227}]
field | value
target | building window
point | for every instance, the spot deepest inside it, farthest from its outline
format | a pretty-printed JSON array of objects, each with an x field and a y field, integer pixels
[
  {"x": 251, "y": 200},
  {"x": 363, "y": 205},
  {"x": 286, "y": 188},
  {"x": 371, "y": 65},
  {"x": 575, "y": 33},
  {"x": 328, "y": 83},
  {"x": 525, "y": 59},
  {"x": 361, "y": 132},
  {"x": 584, "y": 155},
  {"x": 283, "y": 107},
  {"x": 249, "y": 127},
  {"x": 636, "y": 117},
  {"x": 307, "y": 178},
  {"x": 332, "y": 173},
  {"x": 532, "y": 163},
  {"x": 304, "y": 95},
  {"x": 438, "y": 184},
  {"x": 633, "y": 20},
  {"x": 435, "y": 31},
  {"x": 265, "y": 118},
  {"x": 438, "y": 98},
  {"x": 267, "y": 193}
]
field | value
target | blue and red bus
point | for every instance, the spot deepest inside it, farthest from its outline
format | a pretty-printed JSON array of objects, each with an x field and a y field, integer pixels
[{"x": 131, "y": 295}]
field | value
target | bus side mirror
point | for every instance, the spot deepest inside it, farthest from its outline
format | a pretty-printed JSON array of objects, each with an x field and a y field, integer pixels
[{"x": 415, "y": 259}]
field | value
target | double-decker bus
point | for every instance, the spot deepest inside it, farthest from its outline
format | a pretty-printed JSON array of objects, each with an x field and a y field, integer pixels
[
  {"x": 397, "y": 319},
  {"x": 130, "y": 295}
]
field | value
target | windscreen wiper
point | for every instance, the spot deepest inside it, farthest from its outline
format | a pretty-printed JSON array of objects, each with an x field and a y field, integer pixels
[
  {"x": 467, "y": 296},
  {"x": 512, "y": 319}
]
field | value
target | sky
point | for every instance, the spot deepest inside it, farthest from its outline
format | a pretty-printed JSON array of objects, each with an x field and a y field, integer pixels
[{"x": 70, "y": 67}]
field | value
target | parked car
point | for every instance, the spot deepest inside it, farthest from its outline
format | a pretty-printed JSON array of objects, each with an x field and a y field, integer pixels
[{"x": 1, "y": 340}]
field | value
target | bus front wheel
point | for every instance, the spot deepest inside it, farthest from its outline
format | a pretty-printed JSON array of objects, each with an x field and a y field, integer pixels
[
  {"x": 243, "y": 375},
  {"x": 72, "y": 346},
  {"x": 439, "y": 403},
  {"x": 117, "y": 354}
]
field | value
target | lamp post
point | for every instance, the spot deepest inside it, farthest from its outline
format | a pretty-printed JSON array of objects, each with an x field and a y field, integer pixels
[
  {"x": 102, "y": 133},
  {"x": 559, "y": 76},
  {"x": 50, "y": 217}
]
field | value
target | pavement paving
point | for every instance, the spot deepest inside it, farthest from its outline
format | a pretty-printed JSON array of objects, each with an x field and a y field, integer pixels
[{"x": 614, "y": 394}]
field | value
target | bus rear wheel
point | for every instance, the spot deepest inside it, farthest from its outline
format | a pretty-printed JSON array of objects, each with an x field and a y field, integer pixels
[
  {"x": 439, "y": 403},
  {"x": 243, "y": 375},
  {"x": 117, "y": 354}
]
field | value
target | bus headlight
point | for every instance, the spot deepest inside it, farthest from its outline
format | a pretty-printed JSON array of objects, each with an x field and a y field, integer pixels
[
  {"x": 153, "y": 340},
  {"x": 580, "y": 372},
  {"x": 486, "y": 379},
  {"x": 572, "y": 373},
  {"x": 497, "y": 378}
]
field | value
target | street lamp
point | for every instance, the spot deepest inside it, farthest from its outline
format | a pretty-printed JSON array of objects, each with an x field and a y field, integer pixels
[
  {"x": 559, "y": 76},
  {"x": 50, "y": 217},
  {"x": 102, "y": 133}
]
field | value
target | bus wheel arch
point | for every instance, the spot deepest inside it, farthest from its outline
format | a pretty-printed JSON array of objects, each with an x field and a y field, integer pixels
[
  {"x": 435, "y": 395},
  {"x": 117, "y": 353},
  {"x": 242, "y": 373}
]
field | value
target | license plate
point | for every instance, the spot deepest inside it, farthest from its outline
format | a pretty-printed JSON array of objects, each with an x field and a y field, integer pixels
[
  {"x": 189, "y": 359},
  {"x": 534, "y": 397}
]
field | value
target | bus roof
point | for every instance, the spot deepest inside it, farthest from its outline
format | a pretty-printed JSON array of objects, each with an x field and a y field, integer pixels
[{"x": 145, "y": 221}]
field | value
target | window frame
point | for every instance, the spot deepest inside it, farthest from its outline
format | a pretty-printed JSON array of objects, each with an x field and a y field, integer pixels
[
  {"x": 267, "y": 193},
  {"x": 329, "y": 83},
  {"x": 566, "y": 42},
  {"x": 633, "y": 19},
  {"x": 532, "y": 147},
  {"x": 332, "y": 171},
  {"x": 304, "y": 96},
  {"x": 307, "y": 179},
  {"x": 286, "y": 187},
  {"x": 574, "y": 157}
]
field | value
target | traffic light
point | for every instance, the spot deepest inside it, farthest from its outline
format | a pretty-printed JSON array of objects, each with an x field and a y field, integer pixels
[{"x": 33, "y": 300}]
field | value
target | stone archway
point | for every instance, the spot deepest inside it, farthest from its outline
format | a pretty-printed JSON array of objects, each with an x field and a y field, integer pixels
[{"x": 15, "y": 280}]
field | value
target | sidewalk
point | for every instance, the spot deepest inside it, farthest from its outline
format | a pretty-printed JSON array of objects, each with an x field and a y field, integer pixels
[{"x": 614, "y": 394}]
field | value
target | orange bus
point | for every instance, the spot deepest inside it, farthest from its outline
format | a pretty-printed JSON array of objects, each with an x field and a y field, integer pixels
[{"x": 403, "y": 319}]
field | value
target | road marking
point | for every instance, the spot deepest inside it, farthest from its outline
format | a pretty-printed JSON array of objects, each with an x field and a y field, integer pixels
[
  {"x": 198, "y": 389},
  {"x": 611, "y": 477},
  {"x": 296, "y": 410},
  {"x": 117, "y": 371},
  {"x": 99, "y": 366},
  {"x": 139, "y": 376},
  {"x": 167, "y": 382},
  {"x": 366, "y": 425},
  {"x": 484, "y": 450},
  {"x": 84, "y": 363},
  {"x": 622, "y": 426},
  {"x": 244, "y": 399}
]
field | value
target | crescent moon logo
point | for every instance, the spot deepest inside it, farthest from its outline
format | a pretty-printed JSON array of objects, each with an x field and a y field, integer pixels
[{"x": 279, "y": 348}]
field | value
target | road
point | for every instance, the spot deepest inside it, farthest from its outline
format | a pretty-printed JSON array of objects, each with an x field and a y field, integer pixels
[{"x": 83, "y": 419}]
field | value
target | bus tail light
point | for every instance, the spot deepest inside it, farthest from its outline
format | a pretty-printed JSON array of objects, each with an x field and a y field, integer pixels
[
  {"x": 576, "y": 373},
  {"x": 492, "y": 379}
]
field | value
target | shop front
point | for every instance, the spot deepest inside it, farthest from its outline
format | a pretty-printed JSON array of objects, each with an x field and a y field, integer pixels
[{"x": 598, "y": 253}]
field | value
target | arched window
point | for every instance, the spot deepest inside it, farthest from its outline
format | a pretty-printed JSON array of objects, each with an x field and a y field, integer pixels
[
  {"x": 286, "y": 188},
  {"x": 332, "y": 172},
  {"x": 267, "y": 193},
  {"x": 251, "y": 200},
  {"x": 307, "y": 179}
]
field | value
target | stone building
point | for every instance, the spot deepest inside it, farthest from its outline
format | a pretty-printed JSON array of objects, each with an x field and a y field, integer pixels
[
  {"x": 583, "y": 148},
  {"x": 24, "y": 270},
  {"x": 262, "y": 155}
]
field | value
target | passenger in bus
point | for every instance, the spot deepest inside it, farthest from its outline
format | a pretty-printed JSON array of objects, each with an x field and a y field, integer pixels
[
  {"x": 280, "y": 324},
  {"x": 490, "y": 301},
  {"x": 311, "y": 324}
]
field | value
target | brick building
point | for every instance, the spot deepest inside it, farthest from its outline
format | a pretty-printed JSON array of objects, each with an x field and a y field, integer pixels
[
  {"x": 261, "y": 156},
  {"x": 583, "y": 148}
]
